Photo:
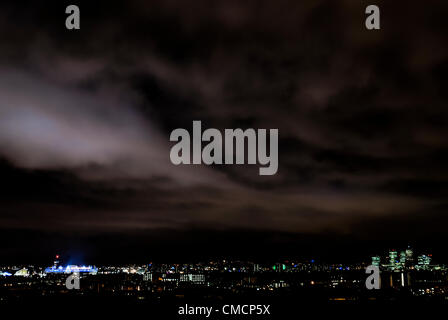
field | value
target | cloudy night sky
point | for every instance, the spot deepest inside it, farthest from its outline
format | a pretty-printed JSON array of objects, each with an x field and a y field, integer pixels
[{"x": 86, "y": 115}]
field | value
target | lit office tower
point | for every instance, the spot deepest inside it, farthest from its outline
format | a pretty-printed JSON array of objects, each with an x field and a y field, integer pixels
[
  {"x": 424, "y": 261},
  {"x": 376, "y": 261},
  {"x": 147, "y": 276},
  {"x": 392, "y": 257},
  {"x": 194, "y": 278},
  {"x": 402, "y": 257},
  {"x": 409, "y": 256}
]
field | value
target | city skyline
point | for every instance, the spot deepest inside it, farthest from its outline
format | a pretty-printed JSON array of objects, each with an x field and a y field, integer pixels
[
  {"x": 406, "y": 275},
  {"x": 86, "y": 117},
  {"x": 391, "y": 258}
]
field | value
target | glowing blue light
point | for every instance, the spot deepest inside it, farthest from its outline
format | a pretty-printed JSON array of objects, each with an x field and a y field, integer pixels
[{"x": 71, "y": 269}]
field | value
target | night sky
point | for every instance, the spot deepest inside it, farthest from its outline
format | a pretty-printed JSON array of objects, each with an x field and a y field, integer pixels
[{"x": 86, "y": 115}]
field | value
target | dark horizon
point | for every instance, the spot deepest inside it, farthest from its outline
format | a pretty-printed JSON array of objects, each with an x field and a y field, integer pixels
[{"x": 200, "y": 245}]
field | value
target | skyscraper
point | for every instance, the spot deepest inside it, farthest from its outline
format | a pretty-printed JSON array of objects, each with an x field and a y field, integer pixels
[
  {"x": 402, "y": 257},
  {"x": 393, "y": 257},
  {"x": 409, "y": 256},
  {"x": 423, "y": 261},
  {"x": 376, "y": 261}
]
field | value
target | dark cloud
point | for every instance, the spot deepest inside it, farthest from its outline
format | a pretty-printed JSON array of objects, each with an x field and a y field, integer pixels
[{"x": 85, "y": 115}]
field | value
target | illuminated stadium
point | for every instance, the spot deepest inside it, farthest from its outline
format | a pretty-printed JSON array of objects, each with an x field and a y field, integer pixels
[{"x": 72, "y": 269}]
